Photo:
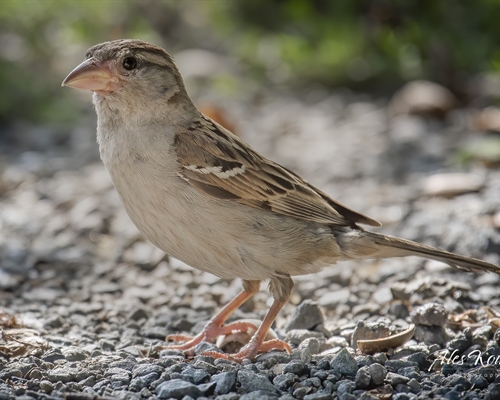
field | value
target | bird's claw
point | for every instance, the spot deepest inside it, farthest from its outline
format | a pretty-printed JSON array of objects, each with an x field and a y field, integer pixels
[{"x": 251, "y": 350}]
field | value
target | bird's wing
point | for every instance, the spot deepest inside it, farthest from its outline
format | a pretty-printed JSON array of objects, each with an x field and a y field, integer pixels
[{"x": 218, "y": 163}]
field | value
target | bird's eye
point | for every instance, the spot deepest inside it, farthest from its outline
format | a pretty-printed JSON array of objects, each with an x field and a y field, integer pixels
[{"x": 129, "y": 63}]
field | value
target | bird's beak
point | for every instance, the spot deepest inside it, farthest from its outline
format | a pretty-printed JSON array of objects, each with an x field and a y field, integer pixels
[{"x": 92, "y": 75}]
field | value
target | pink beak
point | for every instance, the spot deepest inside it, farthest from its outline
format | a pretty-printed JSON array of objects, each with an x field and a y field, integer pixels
[{"x": 92, "y": 75}]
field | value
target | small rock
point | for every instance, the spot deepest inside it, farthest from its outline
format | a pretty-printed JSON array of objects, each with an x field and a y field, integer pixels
[
  {"x": 211, "y": 369},
  {"x": 259, "y": 395},
  {"x": 344, "y": 387},
  {"x": 478, "y": 381},
  {"x": 46, "y": 386},
  {"x": 430, "y": 314},
  {"x": 73, "y": 353},
  {"x": 370, "y": 330},
  {"x": 283, "y": 382},
  {"x": 430, "y": 334},
  {"x": 306, "y": 316},
  {"x": 155, "y": 332},
  {"x": 146, "y": 369},
  {"x": 399, "y": 309},
  {"x": 308, "y": 348},
  {"x": 52, "y": 355},
  {"x": 363, "y": 378},
  {"x": 225, "y": 382},
  {"x": 396, "y": 365},
  {"x": 396, "y": 379},
  {"x": 337, "y": 341},
  {"x": 344, "y": 363},
  {"x": 377, "y": 373},
  {"x": 177, "y": 389},
  {"x": 63, "y": 374},
  {"x": 251, "y": 382},
  {"x": 460, "y": 344},
  {"x": 106, "y": 345},
  {"x": 297, "y": 336},
  {"x": 296, "y": 367},
  {"x": 319, "y": 395},
  {"x": 137, "y": 314}
]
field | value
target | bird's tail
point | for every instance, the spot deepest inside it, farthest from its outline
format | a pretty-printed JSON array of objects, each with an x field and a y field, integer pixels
[{"x": 375, "y": 245}]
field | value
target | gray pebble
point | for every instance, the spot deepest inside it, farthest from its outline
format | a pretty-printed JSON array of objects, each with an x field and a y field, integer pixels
[
  {"x": 306, "y": 316},
  {"x": 297, "y": 336},
  {"x": 344, "y": 387},
  {"x": 377, "y": 373},
  {"x": 363, "y": 378},
  {"x": 283, "y": 382},
  {"x": 147, "y": 369},
  {"x": 396, "y": 365},
  {"x": 319, "y": 395},
  {"x": 52, "y": 355},
  {"x": 430, "y": 314},
  {"x": 251, "y": 382},
  {"x": 308, "y": 348},
  {"x": 430, "y": 334},
  {"x": 210, "y": 368},
  {"x": 63, "y": 374},
  {"x": 137, "y": 314},
  {"x": 396, "y": 379},
  {"x": 399, "y": 309},
  {"x": 73, "y": 353},
  {"x": 177, "y": 389},
  {"x": 46, "y": 386},
  {"x": 460, "y": 344},
  {"x": 344, "y": 363},
  {"x": 259, "y": 395},
  {"x": 296, "y": 367},
  {"x": 225, "y": 382},
  {"x": 16, "y": 369},
  {"x": 229, "y": 396}
]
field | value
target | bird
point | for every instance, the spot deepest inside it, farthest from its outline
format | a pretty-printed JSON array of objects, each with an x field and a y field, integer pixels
[{"x": 204, "y": 196}]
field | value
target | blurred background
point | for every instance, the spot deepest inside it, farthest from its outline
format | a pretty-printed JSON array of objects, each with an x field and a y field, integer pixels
[{"x": 231, "y": 50}]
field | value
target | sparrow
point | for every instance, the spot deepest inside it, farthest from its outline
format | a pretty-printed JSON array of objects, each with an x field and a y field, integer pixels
[{"x": 205, "y": 197}]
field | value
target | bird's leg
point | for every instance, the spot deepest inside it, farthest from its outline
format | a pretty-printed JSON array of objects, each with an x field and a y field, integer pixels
[
  {"x": 214, "y": 327},
  {"x": 281, "y": 289}
]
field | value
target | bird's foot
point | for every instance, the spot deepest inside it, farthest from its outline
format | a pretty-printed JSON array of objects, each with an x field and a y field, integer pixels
[
  {"x": 251, "y": 350},
  {"x": 209, "y": 334}
]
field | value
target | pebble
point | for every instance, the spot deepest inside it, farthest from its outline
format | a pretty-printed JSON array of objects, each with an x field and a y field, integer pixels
[
  {"x": 430, "y": 334},
  {"x": 251, "y": 381},
  {"x": 296, "y": 367},
  {"x": 377, "y": 373},
  {"x": 177, "y": 389},
  {"x": 225, "y": 382},
  {"x": 297, "y": 336},
  {"x": 430, "y": 314},
  {"x": 307, "y": 315},
  {"x": 344, "y": 363},
  {"x": 396, "y": 379},
  {"x": 363, "y": 378}
]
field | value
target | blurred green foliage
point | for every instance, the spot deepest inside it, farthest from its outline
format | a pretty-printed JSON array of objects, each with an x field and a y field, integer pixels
[
  {"x": 359, "y": 43},
  {"x": 366, "y": 41}
]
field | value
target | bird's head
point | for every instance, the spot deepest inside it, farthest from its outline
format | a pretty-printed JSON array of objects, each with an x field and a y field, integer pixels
[{"x": 129, "y": 72}]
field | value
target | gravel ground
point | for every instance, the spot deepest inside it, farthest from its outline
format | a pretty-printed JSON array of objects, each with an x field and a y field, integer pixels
[{"x": 85, "y": 300}]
